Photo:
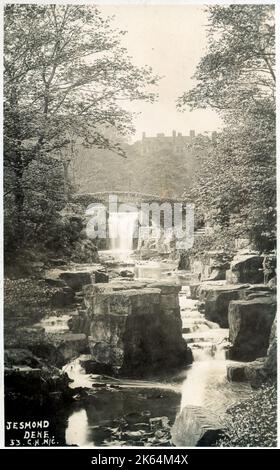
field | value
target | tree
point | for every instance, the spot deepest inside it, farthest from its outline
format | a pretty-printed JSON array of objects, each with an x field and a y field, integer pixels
[
  {"x": 237, "y": 72},
  {"x": 65, "y": 75},
  {"x": 236, "y": 77}
]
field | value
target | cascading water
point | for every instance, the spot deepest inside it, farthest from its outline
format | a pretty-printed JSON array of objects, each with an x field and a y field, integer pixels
[
  {"x": 206, "y": 383},
  {"x": 117, "y": 411},
  {"x": 121, "y": 231}
]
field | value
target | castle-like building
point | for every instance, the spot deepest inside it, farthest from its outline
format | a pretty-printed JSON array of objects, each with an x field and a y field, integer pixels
[{"x": 176, "y": 143}]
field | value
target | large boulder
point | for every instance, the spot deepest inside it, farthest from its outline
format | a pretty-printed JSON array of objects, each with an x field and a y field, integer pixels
[
  {"x": 76, "y": 279},
  {"x": 250, "y": 323},
  {"x": 196, "y": 426},
  {"x": 62, "y": 297},
  {"x": 101, "y": 276},
  {"x": 212, "y": 265},
  {"x": 138, "y": 331},
  {"x": 126, "y": 273},
  {"x": 246, "y": 268},
  {"x": 252, "y": 372},
  {"x": 216, "y": 297},
  {"x": 68, "y": 345},
  {"x": 36, "y": 385}
]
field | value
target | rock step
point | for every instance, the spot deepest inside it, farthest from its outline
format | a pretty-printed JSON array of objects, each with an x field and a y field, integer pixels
[{"x": 212, "y": 335}]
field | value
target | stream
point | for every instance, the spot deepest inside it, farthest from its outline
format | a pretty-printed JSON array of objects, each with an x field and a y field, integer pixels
[{"x": 121, "y": 412}]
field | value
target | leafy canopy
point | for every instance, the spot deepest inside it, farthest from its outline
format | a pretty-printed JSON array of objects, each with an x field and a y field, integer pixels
[{"x": 236, "y": 185}]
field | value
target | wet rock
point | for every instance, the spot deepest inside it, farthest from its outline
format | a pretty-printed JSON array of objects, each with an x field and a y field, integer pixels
[
  {"x": 246, "y": 268},
  {"x": 250, "y": 323},
  {"x": 126, "y": 273},
  {"x": 236, "y": 372},
  {"x": 93, "y": 367},
  {"x": 80, "y": 322},
  {"x": 255, "y": 373},
  {"x": 76, "y": 279},
  {"x": 203, "y": 288},
  {"x": 196, "y": 426},
  {"x": 169, "y": 303},
  {"x": 210, "y": 265},
  {"x": 34, "y": 342},
  {"x": 166, "y": 288},
  {"x": 137, "y": 331},
  {"x": 216, "y": 299},
  {"x": 101, "y": 276},
  {"x": 252, "y": 372},
  {"x": 63, "y": 297},
  {"x": 69, "y": 345}
]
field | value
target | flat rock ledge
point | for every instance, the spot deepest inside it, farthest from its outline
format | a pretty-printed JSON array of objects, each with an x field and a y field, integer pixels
[{"x": 196, "y": 426}]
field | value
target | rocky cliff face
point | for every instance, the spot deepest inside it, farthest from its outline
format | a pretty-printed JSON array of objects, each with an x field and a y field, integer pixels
[
  {"x": 135, "y": 328},
  {"x": 246, "y": 268},
  {"x": 250, "y": 323},
  {"x": 247, "y": 306},
  {"x": 211, "y": 265},
  {"x": 216, "y": 301}
]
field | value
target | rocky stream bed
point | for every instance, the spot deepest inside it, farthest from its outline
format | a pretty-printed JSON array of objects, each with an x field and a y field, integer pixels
[{"x": 136, "y": 356}]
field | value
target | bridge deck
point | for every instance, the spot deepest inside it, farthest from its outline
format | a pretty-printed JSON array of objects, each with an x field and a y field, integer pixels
[{"x": 123, "y": 196}]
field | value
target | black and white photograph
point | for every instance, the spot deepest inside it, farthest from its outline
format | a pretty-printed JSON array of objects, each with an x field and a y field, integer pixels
[{"x": 139, "y": 225}]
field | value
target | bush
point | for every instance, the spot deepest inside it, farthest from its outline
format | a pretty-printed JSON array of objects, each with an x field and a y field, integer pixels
[
  {"x": 253, "y": 422},
  {"x": 27, "y": 301}
]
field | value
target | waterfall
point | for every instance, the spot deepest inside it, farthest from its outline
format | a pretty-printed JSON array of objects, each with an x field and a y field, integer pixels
[
  {"x": 121, "y": 230},
  {"x": 207, "y": 341}
]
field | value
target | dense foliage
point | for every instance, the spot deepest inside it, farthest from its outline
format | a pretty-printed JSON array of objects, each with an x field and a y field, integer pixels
[
  {"x": 161, "y": 170},
  {"x": 253, "y": 422},
  {"x": 65, "y": 75},
  {"x": 236, "y": 187}
]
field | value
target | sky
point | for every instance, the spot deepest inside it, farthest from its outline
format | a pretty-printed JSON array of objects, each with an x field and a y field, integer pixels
[{"x": 171, "y": 39}]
